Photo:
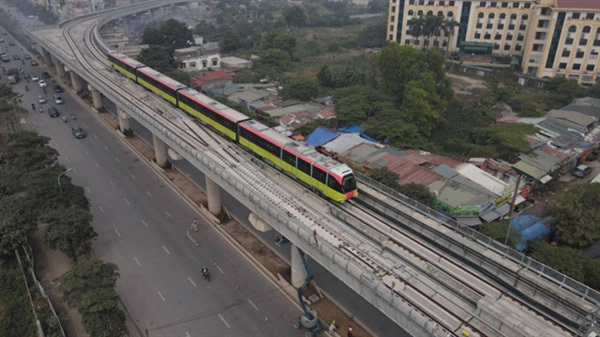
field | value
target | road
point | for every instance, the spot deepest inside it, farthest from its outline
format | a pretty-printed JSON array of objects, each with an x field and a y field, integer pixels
[{"x": 142, "y": 226}]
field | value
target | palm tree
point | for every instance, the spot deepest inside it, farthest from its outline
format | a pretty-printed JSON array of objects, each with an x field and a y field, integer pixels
[
  {"x": 416, "y": 26},
  {"x": 448, "y": 29},
  {"x": 432, "y": 25}
]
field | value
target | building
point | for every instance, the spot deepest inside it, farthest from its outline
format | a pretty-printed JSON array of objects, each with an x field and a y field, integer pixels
[
  {"x": 235, "y": 63},
  {"x": 550, "y": 37},
  {"x": 198, "y": 58},
  {"x": 212, "y": 80}
]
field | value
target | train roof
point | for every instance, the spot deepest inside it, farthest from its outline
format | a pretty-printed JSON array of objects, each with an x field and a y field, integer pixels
[
  {"x": 300, "y": 147},
  {"x": 166, "y": 80},
  {"x": 226, "y": 111},
  {"x": 127, "y": 60}
]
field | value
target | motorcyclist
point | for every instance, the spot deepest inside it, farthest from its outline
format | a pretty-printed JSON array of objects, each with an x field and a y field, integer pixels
[
  {"x": 33, "y": 106},
  {"x": 73, "y": 116},
  {"x": 205, "y": 272},
  {"x": 26, "y": 88}
]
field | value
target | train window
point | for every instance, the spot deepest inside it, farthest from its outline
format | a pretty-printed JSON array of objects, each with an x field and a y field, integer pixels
[
  {"x": 289, "y": 158},
  {"x": 319, "y": 174},
  {"x": 303, "y": 166},
  {"x": 334, "y": 184},
  {"x": 349, "y": 184}
]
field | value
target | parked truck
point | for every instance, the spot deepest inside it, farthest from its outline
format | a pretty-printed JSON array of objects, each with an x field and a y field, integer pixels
[{"x": 13, "y": 76}]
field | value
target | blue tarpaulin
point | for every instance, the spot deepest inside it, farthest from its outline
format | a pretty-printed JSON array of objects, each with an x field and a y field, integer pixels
[
  {"x": 531, "y": 228},
  {"x": 320, "y": 136}
]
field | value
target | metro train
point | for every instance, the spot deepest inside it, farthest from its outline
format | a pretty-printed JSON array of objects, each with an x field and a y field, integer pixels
[{"x": 332, "y": 179}]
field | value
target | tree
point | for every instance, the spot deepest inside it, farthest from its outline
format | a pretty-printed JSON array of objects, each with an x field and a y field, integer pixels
[
  {"x": 419, "y": 193},
  {"x": 69, "y": 231},
  {"x": 206, "y": 29},
  {"x": 577, "y": 216},
  {"x": 152, "y": 36},
  {"x": 567, "y": 92},
  {"x": 416, "y": 26},
  {"x": 386, "y": 177},
  {"x": 356, "y": 104},
  {"x": 230, "y": 41},
  {"x": 85, "y": 276},
  {"x": 497, "y": 230},
  {"x": 338, "y": 76},
  {"x": 156, "y": 57},
  {"x": 566, "y": 260},
  {"x": 175, "y": 35},
  {"x": 272, "y": 63},
  {"x": 417, "y": 110},
  {"x": 509, "y": 140},
  {"x": 180, "y": 76},
  {"x": 372, "y": 35},
  {"x": 279, "y": 39},
  {"x": 300, "y": 88},
  {"x": 295, "y": 16},
  {"x": 594, "y": 90},
  {"x": 246, "y": 76},
  {"x": 102, "y": 316}
]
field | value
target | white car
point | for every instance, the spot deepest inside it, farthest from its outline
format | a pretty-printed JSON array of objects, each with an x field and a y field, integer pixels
[
  {"x": 57, "y": 99},
  {"x": 34, "y": 78},
  {"x": 42, "y": 83},
  {"x": 41, "y": 99}
]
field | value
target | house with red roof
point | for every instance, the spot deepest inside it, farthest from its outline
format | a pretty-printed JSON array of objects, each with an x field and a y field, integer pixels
[{"x": 212, "y": 79}]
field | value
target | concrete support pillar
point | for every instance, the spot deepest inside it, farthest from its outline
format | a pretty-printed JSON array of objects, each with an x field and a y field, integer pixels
[
  {"x": 47, "y": 57},
  {"x": 213, "y": 193},
  {"x": 60, "y": 67},
  {"x": 160, "y": 151},
  {"x": 96, "y": 97},
  {"x": 123, "y": 120},
  {"x": 75, "y": 81},
  {"x": 298, "y": 271}
]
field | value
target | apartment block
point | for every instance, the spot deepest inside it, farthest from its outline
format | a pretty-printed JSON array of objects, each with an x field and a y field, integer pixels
[{"x": 550, "y": 37}]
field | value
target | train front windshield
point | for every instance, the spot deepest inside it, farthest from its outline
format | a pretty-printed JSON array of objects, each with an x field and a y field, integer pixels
[{"x": 349, "y": 183}]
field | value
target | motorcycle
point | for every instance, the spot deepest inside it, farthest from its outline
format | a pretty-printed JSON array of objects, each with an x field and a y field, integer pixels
[
  {"x": 206, "y": 275},
  {"x": 41, "y": 110},
  {"x": 26, "y": 88},
  {"x": 73, "y": 117}
]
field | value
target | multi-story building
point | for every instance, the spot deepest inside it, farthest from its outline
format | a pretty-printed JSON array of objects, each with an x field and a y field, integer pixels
[{"x": 551, "y": 37}]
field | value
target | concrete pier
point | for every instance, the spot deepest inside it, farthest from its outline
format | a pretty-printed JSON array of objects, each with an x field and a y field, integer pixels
[
  {"x": 160, "y": 151},
  {"x": 213, "y": 193}
]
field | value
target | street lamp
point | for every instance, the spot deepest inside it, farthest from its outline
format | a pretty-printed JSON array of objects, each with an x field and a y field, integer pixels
[
  {"x": 13, "y": 104},
  {"x": 60, "y": 175}
]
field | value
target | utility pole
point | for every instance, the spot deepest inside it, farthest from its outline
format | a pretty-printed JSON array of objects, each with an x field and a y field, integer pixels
[{"x": 512, "y": 207}]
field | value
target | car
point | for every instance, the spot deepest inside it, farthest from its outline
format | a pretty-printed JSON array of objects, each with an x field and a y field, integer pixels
[
  {"x": 42, "y": 83},
  {"x": 45, "y": 74},
  {"x": 582, "y": 171},
  {"x": 11, "y": 43},
  {"x": 41, "y": 99},
  {"x": 27, "y": 57},
  {"x": 34, "y": 78},
  {"x": 57, "y": 99},
  {"x": 34, "y": 63},
  {"x": 16, "y": 57},
  {"x": 77, "y": 132},
  {"x": 58, "y": 89},
  {"x": 53, "y": 112}
]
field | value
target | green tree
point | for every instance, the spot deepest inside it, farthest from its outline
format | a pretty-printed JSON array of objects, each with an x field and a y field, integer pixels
[
  {"x": 300, "y": 88},
  {"x": 156, "y": 57},
  {"x": 230, "y": 41},
  {"x": 497, "y": 230},
  {"x": 509, "y": 140},
  {"x": 102, "y": 316},
  {"x": 69, "y": 231},
  {"x": 356, "y": 104},
  {"x": 339, "y": 76},
  {"x": 206, "y": 29},
  {"x": 279, "y": 39},
  {"x": 577, "y": 216},
  {"x": 176, "y": 34},
  {"x": 417, "y": 110},
  {"x": 273, "y": 63},
  {"x": 84, "y": 276},
  {"x": 246, "y": 76},
  {"x": 295, "y": 16},
  {"x": 152, "y": 36},
  {"x": 567, "y": 92},
  {"x": 372, "y": 35},
  {"x": 386, "y": 177},
  {"x": 594, "y": 90},
  {"x": 419, "y": 193},
  {"x": 566, "y": 260}
]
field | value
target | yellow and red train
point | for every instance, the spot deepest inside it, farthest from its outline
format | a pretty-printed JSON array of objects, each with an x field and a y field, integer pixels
[{"x": 331, "y": 178}]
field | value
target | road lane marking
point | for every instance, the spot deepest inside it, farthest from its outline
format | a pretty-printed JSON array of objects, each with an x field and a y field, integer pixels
[
  {"x": 144, "y": 222},
  {"x": 166, "y": 250},
  {"x": 106, "y": 148},
  {"x": 66, "y": 158},
  {"x": 102, "y": 209},
  {"x": 117, "y": 159},
  {"x": 148, "y": 192},
  {"x": 88, "y": 189},
  {"x": 96, "y": 137},
  {"x": 111, "y": 182},
  {"x": 192, "y": 282},
  {"x": 137, "y": 261},
  {"x": 127, "y": 201},
  {"x": 116, "y": 231},
  {"x": 75, "y": 171},
  {"x": 187, "y": 334},
  {"x": 87, "y": 152},
  {"x": 168, "y": 214},
  {"x": 96, "y": 164},
  {"x": 221, "y": 270},
  {"x": 132, "y": 176},
  {"x": 161, "y": 296},
  {"x": 254, "y": 305},
  {"x": 85, "y": 126},
  {"x": 224, "y": 321}
]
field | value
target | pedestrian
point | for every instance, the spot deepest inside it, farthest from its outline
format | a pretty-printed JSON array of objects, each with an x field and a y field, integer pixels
[
  {"x": 195, "y": 225},
  {"x": 332, "y": 326},
  {"x": 350, "y": 331}
]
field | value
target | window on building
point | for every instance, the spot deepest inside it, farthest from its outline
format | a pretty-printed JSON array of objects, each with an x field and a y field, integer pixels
[
  {"x": 431, "y": 3},
  {"x": 420, "y": 13},
  {"x": 451, "y": 3},
  {"x": 502, "y": 16},
  {"x": 450, "y": 14},
  {"x": 492, "y": 4},
  {"x": 520, "y": 37},
  {"x": 511, "y": 27},
  {"x": 477, "y": 35},
  {"x": 597, "y": 43},
  {"x": 509, "y": 37},
  {"x": 507, "y": 46},
  {"x": 518, "y": 47},
  {"x": 445, "y": 43},
  {"x": 527, "y": 5},
  {"x": 504, "y": 4},
  {"x": 589, "y": 16},
  {"x": 489, "y": 26},
  {"x": 569, "y": 41},
  {"x": 392, "y": 18},
  {"x": 576, "y": 66},
  {"x": 491, "y": 16},
  {"x": 410, "y": 12},
  {"x": 579, "y": 54},
  {"x": 391, "y": 37},
  {"x": 545, "y": 11},
  {"x": 537, "y": 47},
  {"x": 562, "y": 65},
  {"x": 482, "y": 4},
  {"x": 394, "y": 9},
  {"x": 540, "y": 36},
  {"x": 391, "y": 28},
  {"x": 566, "y": 53},
  {"x": 593, "y": 55},
  {"x": 590, "y": 67},
  {"x": 407, "y": 41},
  {"x": 426, "y": 43},
  {"x": 524, "y": 17},
  {"x": 587, "y": 29},
  {"x": 442, "y": 3},
  {"x": 487, "y": 36},
  {"x": 572, "y": 28},
  {"x": 513, "y": 16},
  {"x": 429, "y": 12},
  {"x": 583, "y": 42},
  {"x": 500, "y": 26},
  {"x": 480, "y": 15},
  {"x": 522, "y": 27},
  {"x": 543, "y": 23},
  {"x": 576, "y": 16},
  {"x": 440, "y": 13},
  {"x": 478, "y": 25},
  {"x": 498, "y": 37}
]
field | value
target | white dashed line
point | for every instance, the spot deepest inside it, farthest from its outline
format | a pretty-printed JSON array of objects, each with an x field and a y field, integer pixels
[
  {"x": 187, "y": 334},
  {"x": 88, "y": 189},
  {"x": 97, "y": 165},
  {"x": 148, "y": 192},
  {"x": 85, "y": 126},
  {"x": 102, "y": 209},
  {"x": 224, "y": 321},
  {"x": 111, "y": 182},
  {"x": 221, "y": 270},
  {"x": 106, "y": 148},
  {"x": 192, "y": 282},
  {"x": 254, "y": 305},
  {"x": 144, "y": 222},
  {"x": 166, "y": 250},
  {"x": 87, "y": 152},
  {"x": 132, "y": 176},
  {"x": 66, "y": 158},
  {"x": 161, "y": 296},
  {"x": 137, "y": 261},
  {"x": 96, "y": 137},
  {"x": 168, "y": 214},
  {"x": 116, "y": 231},
  {"x": 127, "y": 201},
  {"x": 117, "y": 159},
  {"x": 75, "y": 171}
]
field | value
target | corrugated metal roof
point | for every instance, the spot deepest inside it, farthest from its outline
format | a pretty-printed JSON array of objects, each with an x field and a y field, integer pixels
[
  {"x": 445, "y": 171},
  {"x": 584, "y": 109},
  {"x": 482, "y": 178},
  {"x": 320, "y": 136},
  {"x": 573, "y": 116},
  {"x": 344, "y": 142}
]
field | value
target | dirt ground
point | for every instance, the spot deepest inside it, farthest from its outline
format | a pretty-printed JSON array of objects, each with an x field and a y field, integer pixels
[
  {"x": 467, "y": 86},
  {"x": 326, "y": 309}
]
